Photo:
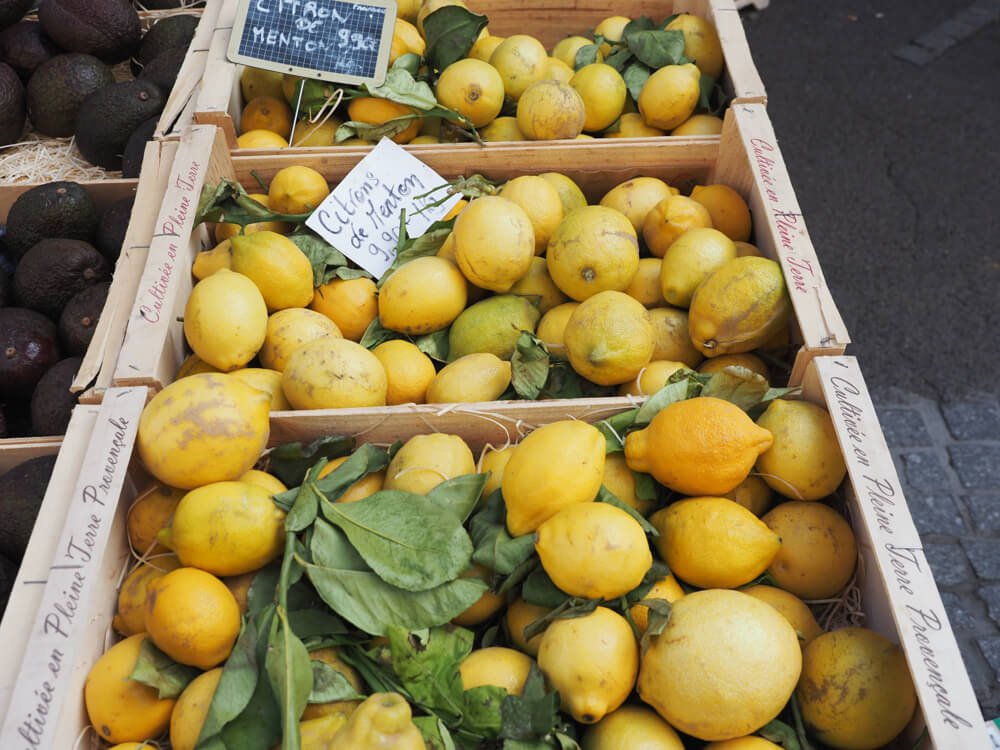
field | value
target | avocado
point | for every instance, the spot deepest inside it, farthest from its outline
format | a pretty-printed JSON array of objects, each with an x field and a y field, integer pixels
[
  {"x": 170, "y": 33},
  {"x": 57, "y": 89},
  {"x": 164, "y": 69},
  {"x": 113, "y": 225},
  {"x": 8, "y": 574},
  {"x": 54, "y": 270},
  {"x": 135, "y": 149},
  {"x": 109, "y": 116},
  {"x": 108, "y": 29},
  {"x": 52, "y": 402},
  {"x": 29, "y": 348},
  {"x": 79, "y": 318},
  {"x": 24, "y": 47},
  {"x": 21, "y": 492},
  {"x": 12, "y": 112},
  {"x": 6, "y": 292},
  {"x": 12, "y": 11},
  {"x": 56, "y": 209}
]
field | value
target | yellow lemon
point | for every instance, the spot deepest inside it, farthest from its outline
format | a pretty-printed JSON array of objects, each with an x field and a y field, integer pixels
[
  {"x": 275, "y": 264},
  {"x": 631, "y": 125},
  {"x": 226, "y": 231},
  {"x": 267, "y": 113},
  {"x": 267, "y": 482},
  {"x": 551, "y": 328},
  {"x": 331, "y": 657},
  {"x": 645, "y": 286},
  {"x": 805, "y": 462},
  {"x": 818, "y": 549},
  {"x": 193, "y": 365},
  {"x": 611, "y": 28},
  {"x": 192, "y": 707},
  {"x": 334, "y": 373},
  {"x": 540, "y": 201},
  {"x": 192, "y": 617},
  {"x": 566, "y": 49},
  {"x": 494, "y": 243},
  {"x": 260, "y": 139},
  {"x": 422, "y": 296},
  {"x": 129, "y": 617},
  {"x": 670, "y": 95},
  {"x": 743, "y": 743},
  {"x": 484, "y": 47},
  {"x": 701, "y": 43},
  {"x": 537, "y": 286},
  {"x": 603, "y": 91},
  {"x": 636, "y": 198},
  {"x": 383, "y": 718},
  {"x": 739, "y": 307},
  {"x": 406, "y": 39},
  {"x": 651, "y": 378},
  {"x": 425, "y": 461},
  {"x": 609, "y": 338},
  {"x": 792, "y": 609},
  {"x": 369, "y": 484},
  {"x": 669, "y": 219},
  {"x": 493, "y": 461},
  {"x": 227, "y": 528},
  {"x": 501, "y": 667},
  {"x": 712, "y": 446},
  {"x": 592, "y": 661},
  {"x": 208, "y": 262},
  {"x": 204, "y": 428},
  {"x": 691, "y": 259},
  {"x": 297, "y": 190},
  {"x": 150, "y": 512},
  {"x": 409, "y": 371},
  {"x": 695, "y": 672},
  {"x": 699, "y": 125},
  {"x": 730, "y": 213},
  {"x": 593, "y": 550},
  {"x": 225, "y": 320},
  {"x": 288, "y": 330},
  {"x": 375, "y": 111},
  {"x": 492, "y": 325},
  {"x": 502, "y": 129},
  {"x": 667, "y": 589},
  {"x": 620, "y": 481},
  {"x": 256, "y": 82},
  {"x": 557, "y": 465},
  {"x": 519, "y": 616},
  {"x": 594, "y": 249},
  {"x": 856, "y": 692},
  {"x": 485, "y": 606},
  {"x": 429, "y": 6},
  {"x": 520, "y": 59},
  {"x": 311, "y": 134},
  {"x": 671, "y": 339},
  {"x": 119, "y": 708},
  {"x": 481, "y": 376},
  {"x": 631, "y": 728},
  {"x": 745, "y": 248},
  {"x": 265, "y": 380},
  {"x": 570, "y": 194},
  {"x": 472, "y": 88},
  {"x": 750, "y": 361},
  {"x": 753, "y": 494},
  {"x": 550, "y": 110},
  {"x": 557, "y": 70}
]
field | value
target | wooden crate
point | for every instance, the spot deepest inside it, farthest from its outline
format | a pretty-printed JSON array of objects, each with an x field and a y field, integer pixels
[
  {"x": 747, "y": 158},
  {"x": 899, "y": 596},
  {"x": 220, "y": 101}
]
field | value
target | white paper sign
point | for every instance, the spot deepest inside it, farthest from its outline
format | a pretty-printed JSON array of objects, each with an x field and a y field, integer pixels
[{"x": 361, "y": 216}]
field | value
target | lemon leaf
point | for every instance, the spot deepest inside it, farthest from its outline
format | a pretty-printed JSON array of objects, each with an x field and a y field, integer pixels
[
  {"x": 329, "y": 547},
  {"x": 435, "y": 733},
  {"x": 538, "y": 589},
  {"x": 657, "y": 48},
  {"x": 659, "y": 618},
  {"x": 738, "y": 385},
  {"x": 330, "y": 685},
  {"x": 495, "y": 548},
  {"x": 428, "y": 666},
  {"x": 529, "y": 366},
  {"x": 459, "y": 494},
  {"x": 305, "y": 504},
  {"x": 642, "y": 23},
  {"x": 291, "y": 461},
  {"x": 410, "y": 62},
  {"x": 635, "y": 77},
  {"x": 657, "y": 571},
  {"x": 365, "y": 460},
  {"x": 482, "y": 710},
  {"x": 780, "y": 733},
  {"x": 531, "y": 715},
  {"x": 569, "y": 609},
  {"x": 450, "y": 33},
  {"x": 434, "y": 345},
  {"x": 324, "y": 258},
  {"x": 289, "y": 670},
  {"x": 310, "y": 623},
  {"x": 645, "y": 486},
  {"x": 586, "y": 55},
  {"x": 605, "y": 495},
  {"x": 668, "y": 394},
  {"x": 619, "y": 57},
  {"x": 157, "y": 670},
  {"x": 376, "y": 334}
]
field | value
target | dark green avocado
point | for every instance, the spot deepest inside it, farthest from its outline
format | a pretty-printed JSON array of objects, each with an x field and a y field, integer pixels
[
  {"x": 135, "y": 149},
  {"x": 108, "y": 29},
  {"x": 54, "y": 270},
  {"x": 170, "y": 33},
  {"x": 112, "y": 226},
  {"x": 21, "y": 492},
  {"x": 12, "y": 109},
  {"x": 79, "y": 318},
  {"x": 52, "y": 401},
  {"x": 58, "y": 88},
  {"x": 28, "y": 347},
  {"x": 109, "y": 116},
  {"x": 56, "y": 209},
  {"x": 12, "y": 11},
  {"x": 24, "y": 47}
]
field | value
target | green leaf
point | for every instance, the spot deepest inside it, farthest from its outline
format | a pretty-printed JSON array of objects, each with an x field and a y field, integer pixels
[
  {"x": 450, "y": 33},
  {"x": 157, "y": 670},
  {"x": 306, "y": 501},
  {"x": 529, "y": 366},
  {"x": 569, "y": 609},
  {"x": 401, "y": 87},
  {"x": 619, "y": 57},
  {"x": 330, "y": 685},
  {"x": 309, "y": 623},
  {"x": 411, "y": 248},
  {"x": 656, "y": 48},
  {"x": 347, "y": 273},
  {"x": 331, "y": 549},
  {"x": 642, "y": 23},
  {"x": 407, "y": 539},
  {"x": 482, "y": 710},
  {"x": 668, "y": 394},
  {"x": 374, "y": 132},
  {"x": 427, "y": 664},
  {"x": 614, "y": 429},
  {"x": 495, "y": 548},
  {"x": 376, "y": 334},
  {"x": 262, "y": 589},
  {"x": 531, "y": 715},
  {"x": 212, "y": 196},
  {"x": 290, "y": 673},
  {"x": 706, "y": 85},
  {"x": 738, "y": 385},
  {"x": 324, "y": 257},
  {"x": 291, "y": 461},
  {"x": 659, "y": 616},
  {"x": 586, "y": 55},
  {"x": 435, "y": 733},
  {"x": 373, "y": 605},
  {"x": 538, "y": 589},
  {"x": 636, "y": 75},
  {"x": 257, "y": 728},
  {"x": 657, "y": 572},
  {"x": 460, "y": 494},
  {"x": 236, "y": 685},
  {"x": 434, "y": 345},
  {"x": 645, "y": 486},
  {"x": 365, "y": 460},
  {"x": 605, "y": 495},
  {"x": 780, "y": 733},
  {"x": 410, "y": 62}
]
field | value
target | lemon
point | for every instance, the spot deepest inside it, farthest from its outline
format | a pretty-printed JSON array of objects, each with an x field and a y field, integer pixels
[
  {"x": 542, "y": 204},
  {"x": 422, "y": 296},
  {"x": 192, "y": 617},
  {"x": 557, "y": 465},
  {"x": 485, "y": 606},
  {"x": 557, "y": 70},
  {"x": 631, "y": 125},
  {"x": 267, "y": 113},
  {"x": 331, "y": 657},
  {"x": 227, "y": 528},
  {"x": 550, "y": 110},
  {"x": 265, "y": 380},
  {"x": 666, "y": 588},
  {"x": 425, "y": 461},
  {"x": 193, "y": 365},
  {"x": 520, "y": 59},
  {"x": 502, "y": 129},
  {"x": 311, "y": 134},
  {"x": 225, "y": 320},
  {"x": 695, "y": 672},
  {"x": 425, "y": 139},
  {"x": 381, "y": 719},
  {"x": 493, "y": 461},
  {"x": 288, "y": 330},
  {"x": 818, "y": 549},
  {"x": 701, "y": 43},
  {"x": 805, "y": 462},
  {"x": 594, "y": 249},
  {"x": 192, "y": 707},
  {"x": 603, "y": 91},
  {"x": 730, "y": 213},
  {"x": 119, "y": 708},
  {"x": 369, "y": 484},
  {"x": 651, "y": 378},
  {"x": 129, "y": 617},
  {"x": 593, "y": 550},
  {"x": 750, "y": 361},
  {"x": 609, "y": 338},
  {"x": 538, "y": 287},
  {"x": 484, "y": 47},
  {"x": 472, "y": 88},
  {"x": 636, "y": 198},
  {"x": 501, "y": 667},
  {"x": 409, "y": 371},
  {"x": 334, "y": 373},
  {"x": 745, "y": 248},
  {"x": 520, "y": 615},
  {"x": 256, "y": 82},
  {"x": 492, "y": 325},
  {"x": 268, "y": 482},
  {"x": 669, "y": 96},
  {"x": 406, "y": 39},
  {"x": 699, "y": 125},
  {"x": 753, "y": 494},
  {"x": 620, "y": 482},
  {"x": 592, "y": 661},
  {"x": 570, "y": 194},
  {"x": 739, "y": 307},
  {"x": 792, "y": 609},
  {"x": 429, "y": 6},
  {"x": 204, "y": 428},
  {"x": 690, "y": 260},
  {"x": 208, "y": 262},
  {"x": 494, "y": 243},
  {"x": 566, "y": 49},
  {"x": 743, "y": 743},
  {"x": 671, "y": 339},
  {"x": 377, "y": 111},
  {"x": 275, "y": 264},
  {"x": 631, "y": 728},
  {"x": 669, "y": 219},
  {"x": 148, "y": 514},
  {"x": 481, "y": 376},
  {"x": 297, "y": 190},
  {"x": 551, "y": 328}
]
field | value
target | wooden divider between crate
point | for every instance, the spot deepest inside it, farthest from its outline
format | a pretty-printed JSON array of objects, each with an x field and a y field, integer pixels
[{"x": 221, "y": 90}]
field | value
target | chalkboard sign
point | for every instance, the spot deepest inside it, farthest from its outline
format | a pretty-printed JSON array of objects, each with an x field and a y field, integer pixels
[{"x": 332, "y": 40}]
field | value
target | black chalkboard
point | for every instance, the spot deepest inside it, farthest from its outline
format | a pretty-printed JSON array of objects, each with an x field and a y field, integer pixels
[{"x": 334, "y": 40}]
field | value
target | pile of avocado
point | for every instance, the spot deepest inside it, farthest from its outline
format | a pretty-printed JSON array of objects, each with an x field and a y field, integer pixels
[
  {"x": 56, "y": 256},
  {"x": 56, "y": 73}
]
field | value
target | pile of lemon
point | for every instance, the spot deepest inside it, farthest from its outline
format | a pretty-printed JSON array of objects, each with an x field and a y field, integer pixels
[
  {"x": 627, "y": 291},
  {"x": 509, "y": 88}
]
